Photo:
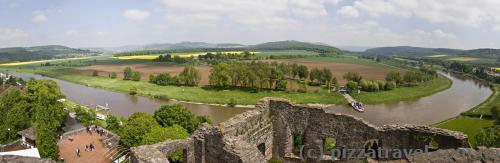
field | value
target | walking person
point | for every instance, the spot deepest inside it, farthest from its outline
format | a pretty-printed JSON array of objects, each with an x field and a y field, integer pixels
[{"x": 78, "y": 152}]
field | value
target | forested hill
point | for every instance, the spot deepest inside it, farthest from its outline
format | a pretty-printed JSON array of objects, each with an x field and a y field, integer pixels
[
  {"x": 410, "y": 51},
  {"x": 40, "y": 53},
  {"x": 280, "y": 45},
  {"x": 422, "y": 52},
  {"x": 295, "y": 45}
]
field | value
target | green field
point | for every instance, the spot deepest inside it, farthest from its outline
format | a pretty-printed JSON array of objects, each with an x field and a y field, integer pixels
[
  {"x": 405, "y": 93},
  {"x": 350, "y": 60},
  {"x": 468, "y": 125}
]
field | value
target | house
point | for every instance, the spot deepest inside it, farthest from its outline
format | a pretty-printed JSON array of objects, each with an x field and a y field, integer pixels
[{"x": 28, "y": 137}]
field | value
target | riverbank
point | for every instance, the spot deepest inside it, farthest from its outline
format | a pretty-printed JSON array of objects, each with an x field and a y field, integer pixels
[
  {"x": 199, "y": 95},
  {"x": 474, "y": 120},
  {"x": 405, "y": 93}
]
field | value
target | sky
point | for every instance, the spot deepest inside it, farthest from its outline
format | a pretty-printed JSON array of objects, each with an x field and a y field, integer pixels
[{"x": 462, "y": 24}]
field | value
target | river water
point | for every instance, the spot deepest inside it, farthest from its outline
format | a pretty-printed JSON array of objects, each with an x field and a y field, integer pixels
[{"x": 463, "y": 95}]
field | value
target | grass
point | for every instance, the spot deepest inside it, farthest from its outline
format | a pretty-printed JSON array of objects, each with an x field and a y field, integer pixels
[
  {"x": 463, "y": 59},
  {"x": 437, "y": 56},
  {"x": 405, "y": 93},
  {"x": 485, "y": 107},
  {"x": 194, "y": 94},
  {"x": 468, "y": 125}
]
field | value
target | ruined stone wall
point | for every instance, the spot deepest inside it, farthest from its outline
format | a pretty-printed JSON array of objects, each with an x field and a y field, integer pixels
[
  {"x": 255, "y": 135},
  {"x": 315, "y": 125}
]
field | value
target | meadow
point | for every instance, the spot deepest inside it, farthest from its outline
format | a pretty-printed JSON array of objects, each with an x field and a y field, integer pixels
[{"x": 468, "y": 125}]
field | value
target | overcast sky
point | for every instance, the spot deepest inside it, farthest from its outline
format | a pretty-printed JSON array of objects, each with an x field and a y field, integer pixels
[{"x": 105, "y": 23}]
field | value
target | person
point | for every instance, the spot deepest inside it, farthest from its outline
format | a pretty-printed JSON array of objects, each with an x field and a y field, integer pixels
[
  {"x": 86, "y": 148},
  {"x": 91, "y": 147},
  {"x": 78, "y": 152}
]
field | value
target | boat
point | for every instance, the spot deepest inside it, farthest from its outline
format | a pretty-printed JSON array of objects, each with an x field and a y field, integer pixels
[{"x": 358, "y": 106}]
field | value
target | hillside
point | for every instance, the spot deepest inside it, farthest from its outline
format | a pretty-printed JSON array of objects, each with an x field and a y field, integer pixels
[
  {"x": 483, "y": 53},
  {"x": 410, "y": 51},
  {"x": 296, "y": 45},
  {"x": 206, "y": 47},
  {"x": 40, "y": 53}
]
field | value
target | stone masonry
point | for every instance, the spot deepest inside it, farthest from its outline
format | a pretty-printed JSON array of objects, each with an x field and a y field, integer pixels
[{"x": 271, "y": 129}]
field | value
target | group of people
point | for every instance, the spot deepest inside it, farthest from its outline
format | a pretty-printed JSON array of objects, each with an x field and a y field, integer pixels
[{"x": 97, "y": 129}]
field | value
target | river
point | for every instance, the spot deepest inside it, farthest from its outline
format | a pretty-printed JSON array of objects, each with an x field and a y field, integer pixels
[{"x": 461, "y": 96}]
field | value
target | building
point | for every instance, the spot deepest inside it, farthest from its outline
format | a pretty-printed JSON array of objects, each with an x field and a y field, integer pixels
[{"x": 28, "y": 137}]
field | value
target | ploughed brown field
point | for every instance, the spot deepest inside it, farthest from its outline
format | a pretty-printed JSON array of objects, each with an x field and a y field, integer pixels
[
  {"x": 145, "y": 70},
  {"x": 338, "y": 70}
]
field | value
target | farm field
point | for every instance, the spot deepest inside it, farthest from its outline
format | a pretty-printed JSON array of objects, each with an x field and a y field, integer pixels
[
  {"x": 145, "y": 70},
  {"x": 339, "y": 66},
  {"x": 437, "y": 56},
  {"x": 468, "y": 125},
  {"x": 463, "y": 59},
  {"x": 40, "y": 61},
  {"x": 285, "y": 52},
  {"x": 182, "y": 55}
]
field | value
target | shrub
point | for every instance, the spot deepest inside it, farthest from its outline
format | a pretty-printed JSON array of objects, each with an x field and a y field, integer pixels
[
  {"x": 232, "y": 102},
  {"x": 113, "y": 75},
  {"x": 274, "y": 160},
  {"x": 329, "y": 144},
  {"x": 95, "y": 73},
  {"x": 133, "y": 90}
]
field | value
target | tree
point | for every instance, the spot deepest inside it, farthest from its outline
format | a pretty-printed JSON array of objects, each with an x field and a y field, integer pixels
[
  {"x": 49, "y": 115},
  {"x": 220, "y": 75},
  {"x": 169, "y": 115},
  {"x": 127, "y": 73},
  {"x": 495, "y": 114},
  {"x": 303, "y": 72},
  {"x": 390, "y": 85},
  {"x": 352, "y": 85},
  {"x": 190, "y": 76},
  {"x": 113, "y": 123},
  {"x": 86, "y": 117},
  {"x": 326, "y": 76},
  {"x": 394, "y": 76},
  {"x": 160, "y": 134},
  {"x": 352, "y": 76},
  {"x": 136, "y": 76},
  {"x": 137, "y": 126},
  {"x": 95, "y": 73},
  {"x": 17, "y": 119}
]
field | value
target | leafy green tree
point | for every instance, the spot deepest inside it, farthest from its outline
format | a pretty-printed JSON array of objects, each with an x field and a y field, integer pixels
[
  {"x": 86, "y": 117},
  {"x": 49, "y": 115},
  {"x": 136, "y": 127},
  {"x": 390, "y": 85},
  {"x": 352, "y": 76},
  {"x": 169, "y": 115},
  {"x": 220, "y": 75},
  {"x": 113, "y": 123},
  {"x": 17, "y": 119},
  {"x": 352, "y": 85},
  {"x": 190, "y": 76},
  {"x": 303, "y": 72},
  {"x": 127, "y": 73},
  {"x": 136, "y": 76},
  {"x": 394, "y": 76},
  {"x": 160, "y": 134}
]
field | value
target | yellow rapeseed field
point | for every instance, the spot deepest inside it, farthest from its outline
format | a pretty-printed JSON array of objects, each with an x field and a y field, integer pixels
[
  {"x": 463, "y": 59},
  {"x": 41, "y": 61},
  {"x": 437, "y": 56}
]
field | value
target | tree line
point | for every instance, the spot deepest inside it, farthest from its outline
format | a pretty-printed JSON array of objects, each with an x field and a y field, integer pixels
[
  {"x": 34, "y": 104},
  {"x": 264, "y": 75},
  {"x": 189, "y": 76},
  {"x": 392, "y": 80}
]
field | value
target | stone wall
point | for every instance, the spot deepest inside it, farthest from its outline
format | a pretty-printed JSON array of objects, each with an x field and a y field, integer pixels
[
  {"x": 20, "y": 159},
  {"x": 269, "y": 130}
]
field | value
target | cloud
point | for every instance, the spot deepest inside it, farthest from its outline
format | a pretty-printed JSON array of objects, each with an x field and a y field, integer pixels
[
  {"x": 39, "y": 17},
  {"x": 255, "y": 13},
  {"x": 134, "y": 14},
  {"x": 348, "y": 11},
  {"x": 462, "y": 12},
  {"x": 72, "y": 32},
  {"x": 12, "y": 37}
]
